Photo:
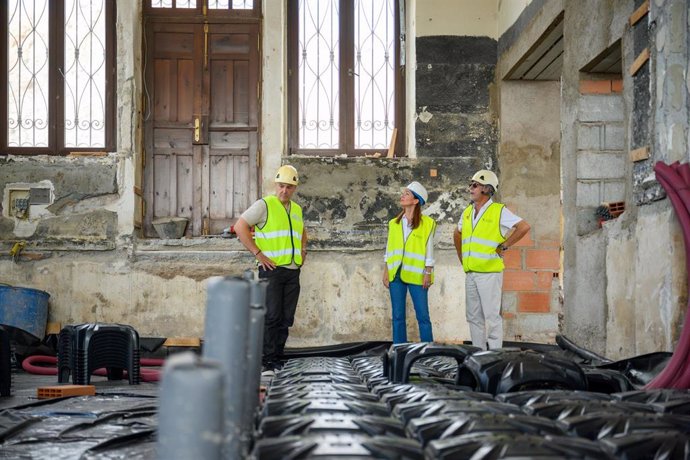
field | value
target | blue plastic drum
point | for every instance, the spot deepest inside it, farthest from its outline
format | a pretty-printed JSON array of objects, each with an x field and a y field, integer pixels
[{"x": 24, "y": 308}]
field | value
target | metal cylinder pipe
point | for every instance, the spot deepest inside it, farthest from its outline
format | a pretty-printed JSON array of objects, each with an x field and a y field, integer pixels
[
  {"x": 257, "y": 313},
  {"x": 225, "y": 341},
  {"x": 190, "y": 413}
]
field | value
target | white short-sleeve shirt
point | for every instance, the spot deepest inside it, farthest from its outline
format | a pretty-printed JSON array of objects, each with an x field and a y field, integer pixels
[{"x": 508, "y": 219}]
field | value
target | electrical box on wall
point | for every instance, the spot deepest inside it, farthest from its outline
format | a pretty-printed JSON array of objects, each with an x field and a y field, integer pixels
[
  {"x": 39, "y": 195},
  {"x": 26, "y": 201},
  {"x": 19, "y": 200}
]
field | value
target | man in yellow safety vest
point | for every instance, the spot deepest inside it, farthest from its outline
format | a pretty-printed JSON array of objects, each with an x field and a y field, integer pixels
[
  {"x": 485, "y": 231},
  {"x": 279, "y": 246}
]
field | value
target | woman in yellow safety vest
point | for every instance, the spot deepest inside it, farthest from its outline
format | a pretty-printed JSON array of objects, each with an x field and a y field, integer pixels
[{"x": 410, "y": 262}]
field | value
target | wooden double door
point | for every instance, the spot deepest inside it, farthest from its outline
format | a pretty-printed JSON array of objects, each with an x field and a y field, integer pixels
[{"x": 201, "y": 123}]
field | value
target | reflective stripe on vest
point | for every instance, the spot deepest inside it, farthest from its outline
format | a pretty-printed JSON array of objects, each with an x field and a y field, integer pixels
[
  {"x": 479, "y": 243},
  {"x": 280, "y": 239},
  {"x": 409, "y": 255}
]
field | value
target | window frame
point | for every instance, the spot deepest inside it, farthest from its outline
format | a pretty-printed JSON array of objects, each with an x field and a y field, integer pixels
[
  {"x": 56, "y": 88},
  {"x": 254, "y": 13},
  {"x": 346, "y": 86}
]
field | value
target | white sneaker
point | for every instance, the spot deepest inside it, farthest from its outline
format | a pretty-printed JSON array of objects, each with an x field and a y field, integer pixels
[{"x": 267, "y": 372}]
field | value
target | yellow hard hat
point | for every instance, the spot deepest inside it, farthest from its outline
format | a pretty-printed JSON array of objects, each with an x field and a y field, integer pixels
[
  {"x": 287, "y": 175},
  {"x": 486, "y": 177}
]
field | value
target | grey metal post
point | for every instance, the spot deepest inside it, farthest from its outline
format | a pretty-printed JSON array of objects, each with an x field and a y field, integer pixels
[
  {"x": 225, "y": 341},
  {"x": 257, "y": 313},
  {"x": 190, "y": 414}
]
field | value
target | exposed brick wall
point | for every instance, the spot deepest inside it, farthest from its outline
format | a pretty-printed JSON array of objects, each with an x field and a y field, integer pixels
[
  {"x": 601, "y": 86},
  {"x": 531, "y": 267}
]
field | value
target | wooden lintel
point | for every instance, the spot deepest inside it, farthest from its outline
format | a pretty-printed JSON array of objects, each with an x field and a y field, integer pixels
[
  {"x": 182, "y": 342},
  {"x": 87, "y": 154},
  {"x": 53, "y": 328},
  {"x": 639, "y": 154},
  {"x": 639, "y": 61},
  {"x": 639, "y": 13}
]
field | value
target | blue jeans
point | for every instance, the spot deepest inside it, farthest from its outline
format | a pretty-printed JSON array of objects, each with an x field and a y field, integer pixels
[{"x": 420, "y": 299}]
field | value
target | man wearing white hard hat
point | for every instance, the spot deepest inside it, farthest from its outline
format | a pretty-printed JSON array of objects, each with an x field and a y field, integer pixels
[
  {"x": 485, "y": 231},
  {"x": 279, "y": 245},
  {"x": 409, "y": 262}
]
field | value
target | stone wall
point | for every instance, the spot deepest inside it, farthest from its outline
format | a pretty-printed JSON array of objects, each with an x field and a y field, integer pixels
[{"x": 625, "y": 288}]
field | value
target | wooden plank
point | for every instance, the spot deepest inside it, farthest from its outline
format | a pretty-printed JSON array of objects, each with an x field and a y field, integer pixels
[
  {"x": 182, "y": 342},
  {"x": 241, "y": 181},
  {"x": 552, "y": 33},
  {"x": 197, "y": 172},
  {"x": 185, "y": 185},
  {"x": 219, "y": 185},
  {"x": 87, "y": 154},
  {"x": 639, "y": 13},
  {"x": 551, "y": 55},
  {"x": 391, "y": 147},
  {"x": 242, "y": 87},
  {"x": 639, "y": 61},
  {"x": 53, "y": 328},
  {"x": 161, "y": 185},
  {"x": 639, "y": 154}
]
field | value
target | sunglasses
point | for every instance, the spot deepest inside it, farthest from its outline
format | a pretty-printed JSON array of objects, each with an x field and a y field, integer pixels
[{"x": 475, "y": 185}]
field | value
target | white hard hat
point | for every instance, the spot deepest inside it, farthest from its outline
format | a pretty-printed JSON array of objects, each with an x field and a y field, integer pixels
[
  {"x": 419, "y": 192},
  {"x": 486, "y": 177},
  {"x": 287, "y": 175}
]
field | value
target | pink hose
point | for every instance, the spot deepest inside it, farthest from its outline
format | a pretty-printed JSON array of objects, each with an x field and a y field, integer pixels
[
  {"x": 31, "y": 366},
  {"x": 675, "y": 179}
]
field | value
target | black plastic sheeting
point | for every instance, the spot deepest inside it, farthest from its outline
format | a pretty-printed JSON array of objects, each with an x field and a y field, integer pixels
[
  {"x": 94, "y": 427},
  {"x": 336, "y": 402}
]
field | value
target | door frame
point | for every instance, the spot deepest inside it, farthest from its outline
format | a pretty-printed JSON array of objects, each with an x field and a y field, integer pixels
[{"x": 144, "y": 192}]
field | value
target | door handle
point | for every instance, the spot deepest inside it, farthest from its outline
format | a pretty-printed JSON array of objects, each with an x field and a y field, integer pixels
[{"x": 197, "y": 129}]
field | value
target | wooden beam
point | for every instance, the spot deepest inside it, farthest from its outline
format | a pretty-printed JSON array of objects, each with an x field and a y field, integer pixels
[
  {"x": 639, "y": 61},
  {"x": 639, "y": 154},
  {"x": 182, "y": 342},
  {"x": 391, "y": 148},
  {"x": 53, "y": 328},
  {"x": 639, "y": 13},
  {"x": 87, "y": 154}
]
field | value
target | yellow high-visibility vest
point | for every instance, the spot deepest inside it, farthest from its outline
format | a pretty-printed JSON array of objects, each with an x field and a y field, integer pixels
[
  {"x": 280, "y": 239},
  {"x": 479, "y": 243},
  {"x": 409, "y": 255}
]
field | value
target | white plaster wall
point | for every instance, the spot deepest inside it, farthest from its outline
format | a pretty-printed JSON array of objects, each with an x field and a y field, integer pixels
[
  {"x": 660, "y": 286},
  {"x": 457, "y": 17},
  {"x": 128, "y": 111},
  {"x": 273, "y": 89},
  {"x": 508, "y": 12},
  {"x": 342, "y": 297}
]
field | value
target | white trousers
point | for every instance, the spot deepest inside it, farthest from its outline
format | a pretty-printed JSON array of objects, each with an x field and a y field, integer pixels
[{"x": 483, "y": 293}]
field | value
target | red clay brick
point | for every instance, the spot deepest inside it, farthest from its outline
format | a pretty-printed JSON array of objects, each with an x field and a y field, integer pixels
[
  {"x": 518, "y": 281},
  {"x": 525, "y": 242},
  {"x": 548, "y": 244},
  {"x": 545, "y": 259},
  {"x": 617, "y": 86},
  {"x": 544, "y": 280},
  {"x": 513, "y": 259},
  {"x": 534, "y": 302},
  {"x": 595, "y": 86}
]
